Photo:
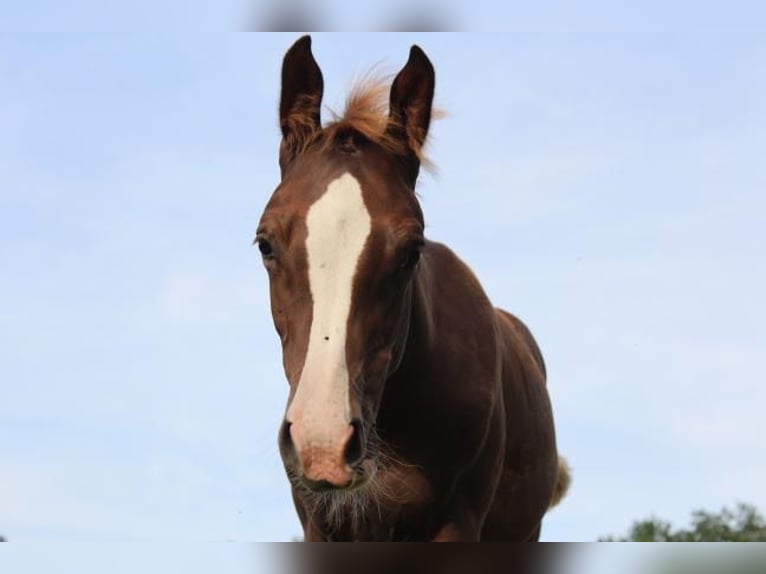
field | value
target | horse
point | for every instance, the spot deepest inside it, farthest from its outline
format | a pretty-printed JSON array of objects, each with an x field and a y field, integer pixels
[{"x": 417, "y": 411}]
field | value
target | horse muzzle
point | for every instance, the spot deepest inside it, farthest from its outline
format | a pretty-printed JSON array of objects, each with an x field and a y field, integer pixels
[{"x": 330, "y": 460}]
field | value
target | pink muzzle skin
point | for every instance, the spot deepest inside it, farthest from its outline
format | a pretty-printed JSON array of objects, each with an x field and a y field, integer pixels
[{"x": 322, "y": 455}]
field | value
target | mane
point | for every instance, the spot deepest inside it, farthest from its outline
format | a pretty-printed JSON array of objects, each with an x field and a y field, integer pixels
[{"x": 366, "y": 112}]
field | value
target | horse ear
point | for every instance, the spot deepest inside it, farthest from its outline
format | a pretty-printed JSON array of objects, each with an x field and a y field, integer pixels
[
  {"x": 412, "y": 94},
  {"x": 301, "y": 100}
]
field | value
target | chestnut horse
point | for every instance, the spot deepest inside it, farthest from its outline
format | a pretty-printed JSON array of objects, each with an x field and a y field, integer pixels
[{"x": 417, "y": 410}]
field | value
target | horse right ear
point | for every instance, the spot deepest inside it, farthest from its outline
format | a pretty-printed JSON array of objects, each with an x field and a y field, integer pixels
[
  {"x": 300, "y": 102},
  {"x": 412, "y": 94}
]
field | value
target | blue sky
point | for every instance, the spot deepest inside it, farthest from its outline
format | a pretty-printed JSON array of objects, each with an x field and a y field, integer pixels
[{"x": 607, "y": 187}]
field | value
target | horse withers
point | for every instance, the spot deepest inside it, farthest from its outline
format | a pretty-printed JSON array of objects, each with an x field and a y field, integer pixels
[{"x": 416, "y": 410}]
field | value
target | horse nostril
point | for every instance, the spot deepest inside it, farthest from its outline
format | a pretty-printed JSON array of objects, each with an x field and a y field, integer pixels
[
  {"x": 355, "y": 446},
  {"x": 286, "y": 446}
]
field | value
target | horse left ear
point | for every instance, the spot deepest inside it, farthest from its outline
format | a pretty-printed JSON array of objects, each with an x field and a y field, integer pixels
[
  {"x": 412, "y": 94},
  {"x": 301, "y": 100}
]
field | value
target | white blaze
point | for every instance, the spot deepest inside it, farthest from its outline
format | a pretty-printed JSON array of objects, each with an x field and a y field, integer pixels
[{"x": 338, "y": 226}]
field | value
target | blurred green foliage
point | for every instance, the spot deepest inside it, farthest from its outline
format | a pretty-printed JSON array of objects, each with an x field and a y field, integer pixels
[{"x": 743, "y": 524}]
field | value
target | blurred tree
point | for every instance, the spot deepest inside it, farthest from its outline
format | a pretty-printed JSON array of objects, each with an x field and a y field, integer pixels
[{"x": 744, "y": 524}]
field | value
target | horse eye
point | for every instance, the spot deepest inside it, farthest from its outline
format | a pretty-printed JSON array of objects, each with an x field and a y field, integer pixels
[
  {"x": 412, "y": 258},
  {"x": 265, "y": 248}
]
